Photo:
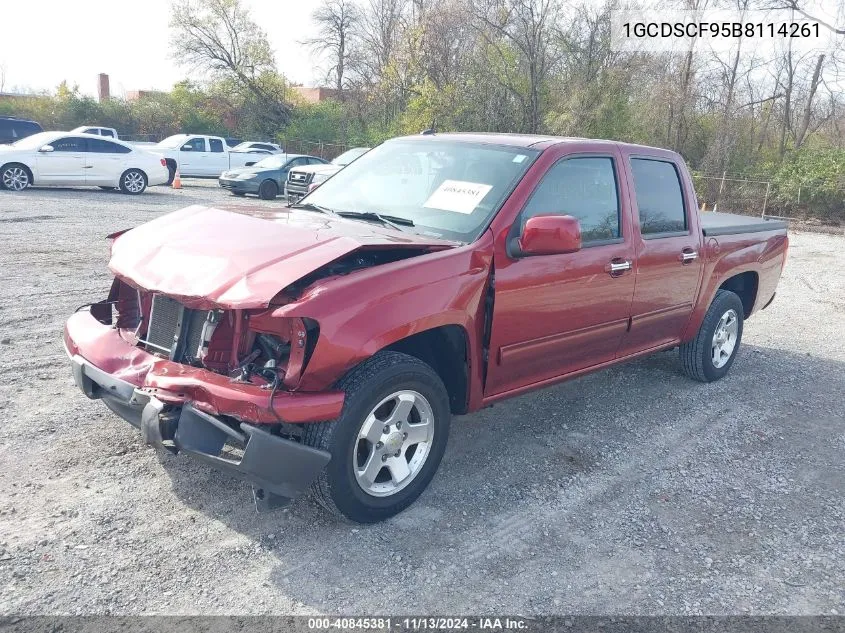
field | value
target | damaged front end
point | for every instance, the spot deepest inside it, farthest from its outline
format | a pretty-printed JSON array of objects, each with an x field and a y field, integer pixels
[
  {"x": 217, "y": 384},
  {"x": 190, "y": 345}
]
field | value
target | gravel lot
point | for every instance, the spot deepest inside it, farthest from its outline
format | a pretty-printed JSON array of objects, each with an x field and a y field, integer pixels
[{"x": 630, "y": 491}]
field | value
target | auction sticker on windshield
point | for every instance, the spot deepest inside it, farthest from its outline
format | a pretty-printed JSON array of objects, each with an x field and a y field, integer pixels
[{"x": 458, "y": 196}]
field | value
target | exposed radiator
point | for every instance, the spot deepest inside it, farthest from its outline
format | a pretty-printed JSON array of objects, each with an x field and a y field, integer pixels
[{"x": 175, "y": 330}]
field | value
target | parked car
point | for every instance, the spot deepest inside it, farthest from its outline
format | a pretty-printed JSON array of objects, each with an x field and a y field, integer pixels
[
  {"x": 64, "y": 158},
  {"x": 269, "y": 148},
  {"x": 331, "y": 341},
  {"x": 267, "y": 177},
  {"x": 96, "y": 131},
  {"x": 13, "y": 129},
  {"x": 304, "y": 179},
  {"x": 201, "y": 155}
]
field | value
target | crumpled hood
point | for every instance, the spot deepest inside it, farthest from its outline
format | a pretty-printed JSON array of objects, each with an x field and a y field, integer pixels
[{"x": 241, "y": 257}]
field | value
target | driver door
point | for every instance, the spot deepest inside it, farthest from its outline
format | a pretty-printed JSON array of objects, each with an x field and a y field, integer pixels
[
  {"x": 558, "y": 314},
  {"x": 65, "y": 165},
  {"x": 191, "y": 156}
]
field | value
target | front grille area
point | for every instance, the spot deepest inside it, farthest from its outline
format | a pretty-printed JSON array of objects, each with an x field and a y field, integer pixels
[
  {"x": 175, "y": 330},
  {"x": 300, "y": 177}
]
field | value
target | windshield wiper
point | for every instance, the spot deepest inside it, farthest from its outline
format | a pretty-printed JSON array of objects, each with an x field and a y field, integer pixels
[
  {"x": 310, "y": 206},
  {"x": 389, "y": 220}
]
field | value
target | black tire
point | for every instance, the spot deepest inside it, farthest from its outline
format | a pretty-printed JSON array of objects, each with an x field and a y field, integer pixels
[
  {"x": 107, "y": 188},
  {"x": 697, "y": 355},
  {"x": 268, "y": 190},
  {"x": 337, "y": 489},
  {"x": 15, "y": 171},
  {"x": 133, "y": 182}
]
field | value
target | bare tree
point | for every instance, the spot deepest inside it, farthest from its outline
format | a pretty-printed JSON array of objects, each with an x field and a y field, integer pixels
[
  {"x": 338, "y": 23},
  {"x": 220, "y": 37},
  {"x": 526, "y": 26}
]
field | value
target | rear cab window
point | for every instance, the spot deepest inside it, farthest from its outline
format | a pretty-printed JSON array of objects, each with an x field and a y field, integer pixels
[
  {"x": 660, "y": 199},
  {"x": 216, "y": 145}
]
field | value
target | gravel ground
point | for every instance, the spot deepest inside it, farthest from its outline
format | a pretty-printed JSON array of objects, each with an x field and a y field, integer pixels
[{"x": 629, "y": 491}]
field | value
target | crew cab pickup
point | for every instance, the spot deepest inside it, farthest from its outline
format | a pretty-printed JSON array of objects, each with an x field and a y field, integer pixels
[
  {"x": 200, "y": 155},
  {"x": 327, "y": 344}
]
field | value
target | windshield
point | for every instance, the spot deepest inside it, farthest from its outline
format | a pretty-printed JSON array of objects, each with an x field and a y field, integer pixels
[
  {"x": 350, "y": 155},
  {"x": 36, "y": 140},
  {"x": 272, "y": 162},
  {"x": 447, "y": 188},
  {"x": 174, "y": 141}
]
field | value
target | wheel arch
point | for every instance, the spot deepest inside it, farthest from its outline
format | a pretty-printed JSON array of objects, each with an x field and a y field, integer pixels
[
  {"x": 446, "y": 350},
  {"x": 745, "y": 285}
]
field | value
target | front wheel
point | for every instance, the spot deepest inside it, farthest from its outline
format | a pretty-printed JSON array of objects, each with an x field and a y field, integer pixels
[
  {"x": 133, "y": 181},
  {"x": 387, "y": 443},
  {"x": 15, "y": 177},
  {"x": 268, "y": 190},
  {"x": 711, "y": 353}
]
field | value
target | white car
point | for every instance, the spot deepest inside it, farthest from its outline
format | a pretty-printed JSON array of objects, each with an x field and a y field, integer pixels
[
  {"x": 65, "y": 158},
  {"x": 263, "y": 148},
  {"x": 96, "y": 131}
]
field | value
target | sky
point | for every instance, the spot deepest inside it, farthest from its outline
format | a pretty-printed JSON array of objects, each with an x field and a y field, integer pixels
[{"x": 58, "y": 40}]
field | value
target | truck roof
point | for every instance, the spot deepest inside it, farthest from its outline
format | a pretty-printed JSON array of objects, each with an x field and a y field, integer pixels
[{"x": 537, "y": 141}]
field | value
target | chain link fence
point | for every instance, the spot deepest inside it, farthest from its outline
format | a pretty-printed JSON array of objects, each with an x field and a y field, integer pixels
[
  {"x": 323, "y": 149},
  {"x": 732, "y": 194}
]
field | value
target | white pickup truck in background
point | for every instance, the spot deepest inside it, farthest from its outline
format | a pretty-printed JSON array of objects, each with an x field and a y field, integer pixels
[{"x": 201, "y": 155}]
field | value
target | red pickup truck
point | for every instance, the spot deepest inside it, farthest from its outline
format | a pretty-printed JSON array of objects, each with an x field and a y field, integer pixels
[{"x": 327, "y": 344}]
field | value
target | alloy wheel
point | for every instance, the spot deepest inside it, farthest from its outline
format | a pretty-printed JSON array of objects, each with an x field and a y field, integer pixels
[
  {"x": 393, "y": 443},
  {"x": 134, "y": 181},
  {"x": 15, "y": 178},
  {"x": 724, "y": 339}
]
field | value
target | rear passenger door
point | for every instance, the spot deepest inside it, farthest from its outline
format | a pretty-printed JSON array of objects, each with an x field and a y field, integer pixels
[
  {"x": 669, "y": 261},
  {"x": 217, "y": 160},
  {"x": 104, "y": 162}
]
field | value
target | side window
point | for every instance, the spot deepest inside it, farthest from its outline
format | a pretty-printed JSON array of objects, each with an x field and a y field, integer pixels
[
  {"x": 659, "y": 195},
  {"x": 105, "y": 147},
  {"x": 316, "y": 161},
  {"x": 216, "y": 145},
  {"x": 584, "y": 188},
  {"x": 194, "y": 145},
  {"x": 108, "y": 133},
  {"x": 297, "y": 162},
  {"x": 69, "y": 144}
]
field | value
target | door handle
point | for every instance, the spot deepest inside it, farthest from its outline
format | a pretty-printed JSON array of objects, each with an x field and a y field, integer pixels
[
  {"x": 688, "y": 255},
  {"x": 618, "y": 266}
]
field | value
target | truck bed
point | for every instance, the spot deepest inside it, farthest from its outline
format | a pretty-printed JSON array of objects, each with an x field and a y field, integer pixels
[{"x": 730, "y": 224}]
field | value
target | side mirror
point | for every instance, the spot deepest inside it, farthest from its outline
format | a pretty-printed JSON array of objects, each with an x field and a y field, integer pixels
[
  {"x": 187, "y": 148},
  {"x": 46, "y": 148},
  {"x": 249, "y": 164},
  {"x": 550, "y": 235}
]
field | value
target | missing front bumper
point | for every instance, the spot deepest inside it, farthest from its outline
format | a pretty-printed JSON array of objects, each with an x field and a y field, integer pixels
[{"x": 278, "y": 469}]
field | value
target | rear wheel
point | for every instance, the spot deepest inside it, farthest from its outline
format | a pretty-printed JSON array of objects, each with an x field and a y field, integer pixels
[
  {"x": 387, "y": 443},
  {"x": 268, "y": 190},
  {"x": 15, "y": 177},
  {"x": 133, "y": 181},
  {"x": 711, "y": 353}
]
